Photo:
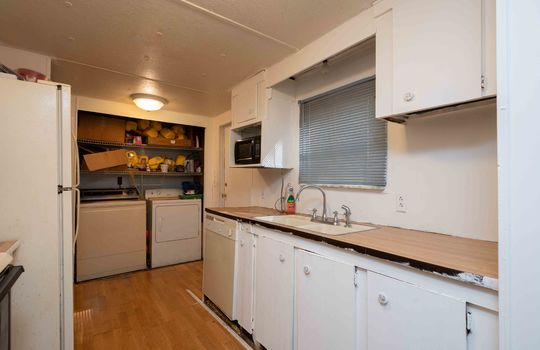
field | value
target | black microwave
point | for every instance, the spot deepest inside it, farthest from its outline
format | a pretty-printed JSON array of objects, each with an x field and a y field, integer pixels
[{"x": 248, "y": 151}]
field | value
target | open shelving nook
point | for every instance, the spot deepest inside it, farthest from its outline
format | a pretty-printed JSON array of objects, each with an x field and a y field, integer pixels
[{"x": 110, "y": 134}]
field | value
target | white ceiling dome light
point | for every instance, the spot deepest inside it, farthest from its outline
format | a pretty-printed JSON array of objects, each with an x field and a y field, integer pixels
[{"x": 148, "y": 102}]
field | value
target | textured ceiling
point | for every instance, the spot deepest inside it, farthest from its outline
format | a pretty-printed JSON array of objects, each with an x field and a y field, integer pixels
[{"x": 188, "y": 52}]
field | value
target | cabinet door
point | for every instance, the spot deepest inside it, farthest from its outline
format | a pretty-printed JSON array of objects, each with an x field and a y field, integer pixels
[
  {"x": 325, "y": 303},
  {"x": 274, "y": 294},
  {"x": 244, "y": 291},
  {"x": 244, "y": 104},
  {"x": 405, "y": 317},
  {"x": 437, "y": 53},
  {"x": 247, "y": 104},
  {"x": 490, "y": 49},
  {"x": 384, "y": 65}
]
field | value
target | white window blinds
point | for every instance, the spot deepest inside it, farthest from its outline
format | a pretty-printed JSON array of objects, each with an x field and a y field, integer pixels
[{"x": 341, "y": 142}]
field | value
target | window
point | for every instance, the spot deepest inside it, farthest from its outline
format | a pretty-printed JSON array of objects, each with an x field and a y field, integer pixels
[{"x": 341, "y": 142}]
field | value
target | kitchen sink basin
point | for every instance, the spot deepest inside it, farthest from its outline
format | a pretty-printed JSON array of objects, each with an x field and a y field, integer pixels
[
  {"x": 335, "y": 230},
  {"x": 304, "y": 223},
  {"x": 289, "y": 220}
]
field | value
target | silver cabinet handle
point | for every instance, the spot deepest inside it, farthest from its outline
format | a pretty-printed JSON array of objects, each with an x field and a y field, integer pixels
[
  {"x": 307, "y": 270},
  {"x": 281, "y": 258},
  {"x": 383, "y": 299},
  {"x": 409, "y": 96},
  {"x": 241, "y": 243}
]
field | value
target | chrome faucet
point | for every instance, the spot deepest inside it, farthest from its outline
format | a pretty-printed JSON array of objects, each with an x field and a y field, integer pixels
[{"x": 323, "y": 217}]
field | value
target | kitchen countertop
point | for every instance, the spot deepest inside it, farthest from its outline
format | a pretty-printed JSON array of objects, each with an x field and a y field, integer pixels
[
  {"x": 468, "y": 260},
  {"x": 7, "y": 248}
]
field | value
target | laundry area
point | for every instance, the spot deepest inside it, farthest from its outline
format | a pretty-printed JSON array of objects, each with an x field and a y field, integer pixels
[{"x": 140, "y": 195}]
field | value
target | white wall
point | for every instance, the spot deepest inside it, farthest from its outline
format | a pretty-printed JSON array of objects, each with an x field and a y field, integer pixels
[
  {"x": 444, "y": 166},
  {"x": 212, "y": 159},
  {"x": 518, "y": 78},
  {"x": 15, "y": 58}
]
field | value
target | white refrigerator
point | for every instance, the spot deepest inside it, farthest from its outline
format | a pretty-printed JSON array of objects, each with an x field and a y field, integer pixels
[{"x": 36, "y": 207}]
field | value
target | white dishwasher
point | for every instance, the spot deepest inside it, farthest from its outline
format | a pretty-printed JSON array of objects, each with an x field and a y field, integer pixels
[{"x": 219, "y": 250}]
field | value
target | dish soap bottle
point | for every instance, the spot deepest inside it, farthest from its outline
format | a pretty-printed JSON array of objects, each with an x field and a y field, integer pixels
[{"x": 291, "y": 201}]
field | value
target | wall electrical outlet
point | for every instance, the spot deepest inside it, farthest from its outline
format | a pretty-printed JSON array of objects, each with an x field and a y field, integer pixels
[{"x": 401, "y": 206}]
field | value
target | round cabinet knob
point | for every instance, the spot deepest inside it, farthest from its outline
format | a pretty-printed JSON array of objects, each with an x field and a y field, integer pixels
[
  {"x": 408, "y": 97},
  {"x": 307, "y": 270},
  {"x": 383, "y": 299},
  {"x": 281, "y": 258}
]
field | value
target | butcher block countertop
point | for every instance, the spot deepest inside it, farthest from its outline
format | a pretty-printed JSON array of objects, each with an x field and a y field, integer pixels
[{"x": 465, "y": 259}]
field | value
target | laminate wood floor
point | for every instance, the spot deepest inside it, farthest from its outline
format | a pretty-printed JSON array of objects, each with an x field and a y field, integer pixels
[{"x": 147, "y": 310}]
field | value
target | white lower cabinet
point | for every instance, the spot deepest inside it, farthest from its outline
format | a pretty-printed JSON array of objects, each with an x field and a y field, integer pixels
[
  {"x": 325, "y": 303},
  {"x": 293, "y": 294},
  {"x": 245, "y": 274},
  {"x": 274, "y": 278},
  {"x": 406, "y": 317}
]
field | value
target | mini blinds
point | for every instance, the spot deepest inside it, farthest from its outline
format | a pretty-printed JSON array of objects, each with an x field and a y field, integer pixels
[{"x": 341, "y": 141}]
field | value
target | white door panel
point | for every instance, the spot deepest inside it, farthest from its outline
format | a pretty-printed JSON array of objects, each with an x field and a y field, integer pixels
[
  {"x": 175, "y": 222},
  {"x": 437, "y": 48},
  {"x": 245, "y": 264},
  {"x": 325, "y": 303},
  {"x": 29, "y": 209},
  {"x": 402, "y": 316},
  {"x": 218, "y": 276},
  {"x": 274, "y": 278}
]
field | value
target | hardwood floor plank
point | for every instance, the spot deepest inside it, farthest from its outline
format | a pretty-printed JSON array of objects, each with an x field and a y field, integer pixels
[{"x": 147, "y": 310}]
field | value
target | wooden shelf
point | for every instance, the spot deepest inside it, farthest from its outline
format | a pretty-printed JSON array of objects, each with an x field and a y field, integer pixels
[
  {"x": 139, "y": 173},
  {"x": 131, "y": 145}
]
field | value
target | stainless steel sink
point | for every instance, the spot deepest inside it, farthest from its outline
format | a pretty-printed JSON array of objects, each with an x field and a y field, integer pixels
[{"x": 304, "y": 223}]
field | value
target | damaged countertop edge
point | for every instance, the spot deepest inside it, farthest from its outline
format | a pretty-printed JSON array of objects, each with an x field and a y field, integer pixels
[
  {"x": 7, "y": 249},
  {"x": 446, "y": 272}
]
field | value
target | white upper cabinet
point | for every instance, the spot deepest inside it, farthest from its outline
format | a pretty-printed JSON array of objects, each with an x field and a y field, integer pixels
[
  {"x": 433, "y": 53},
  {"x": 402, "y": 316},
  {"x": 272, "y": 120},
  {"x": 248, "y": 101},
  {"x": 437, "y": 53}
]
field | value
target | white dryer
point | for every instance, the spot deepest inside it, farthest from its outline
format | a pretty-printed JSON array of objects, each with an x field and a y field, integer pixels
[{"x": 174, "y": 227}]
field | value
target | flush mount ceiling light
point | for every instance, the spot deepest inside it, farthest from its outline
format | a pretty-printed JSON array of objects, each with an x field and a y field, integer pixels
[{"x": 148, "y": 102}]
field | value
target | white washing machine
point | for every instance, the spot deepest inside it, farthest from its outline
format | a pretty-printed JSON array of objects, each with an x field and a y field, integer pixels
[{"x": 174, "y": 227}]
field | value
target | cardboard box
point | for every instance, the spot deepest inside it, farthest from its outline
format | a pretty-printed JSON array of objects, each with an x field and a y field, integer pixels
[
  {"x": 160, "y": 140},
  {"x": 95, "y": 127},
  {"x": 104, "y": 160}
]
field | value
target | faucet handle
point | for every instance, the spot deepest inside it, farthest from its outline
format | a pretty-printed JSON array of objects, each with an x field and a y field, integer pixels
[
  {"x": 313, "y": 214},
  {"x": 336, "y": 219}
]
